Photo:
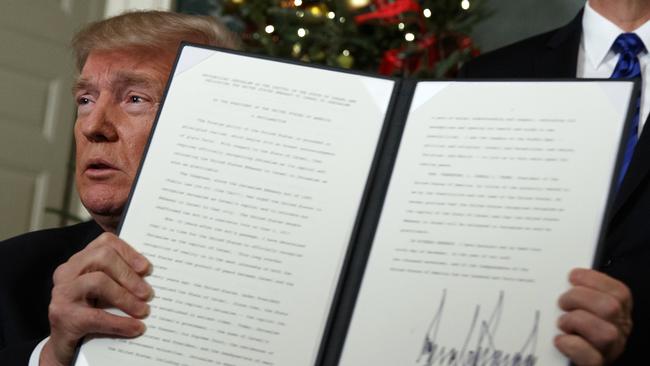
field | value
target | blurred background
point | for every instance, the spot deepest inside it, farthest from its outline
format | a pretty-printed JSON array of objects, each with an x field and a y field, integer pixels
[{"x": 427, "y": 39}]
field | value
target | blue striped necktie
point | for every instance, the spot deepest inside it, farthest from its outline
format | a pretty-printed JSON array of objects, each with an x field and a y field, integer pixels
[{"x": 628, "y": 46}]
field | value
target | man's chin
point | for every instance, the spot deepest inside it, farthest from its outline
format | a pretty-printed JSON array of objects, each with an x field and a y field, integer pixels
[{"x": 106, "y": 211}]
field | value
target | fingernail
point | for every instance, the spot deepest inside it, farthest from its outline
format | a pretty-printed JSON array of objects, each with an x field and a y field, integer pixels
[
  {"x": 575, "y": 275},
  {"x": 141, "y": 264},
  {"x": 143, "y": 328},
  {"x": 561, "y": 322},
  {"x": 144, "y": 290},
  {"x": 147, "y": 311}
]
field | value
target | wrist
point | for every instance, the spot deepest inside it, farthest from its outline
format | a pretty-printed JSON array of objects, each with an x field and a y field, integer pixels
[{"x": 48, "y": 356}]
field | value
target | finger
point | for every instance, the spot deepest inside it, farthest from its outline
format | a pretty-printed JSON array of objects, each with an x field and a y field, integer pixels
[
  {"x": 602, "y": 335},
  {"x": 105, "y": 323},
  {"x": 601, "y": 282},
  {"x": 578, "y": 350},
  {"x": 601, "y": 304},
  {"x": 98, "y": 321},
  {"x": 136, "y": 260},
  {"x": 102, "y": 244},
  {"x": 66, "y": 334},
  {"x": 104, "y": 259},
  {"x": 98, "y": 286}
]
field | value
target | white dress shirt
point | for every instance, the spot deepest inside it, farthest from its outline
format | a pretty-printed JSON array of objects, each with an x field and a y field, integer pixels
[
  {"x": 36, "y": 353},
  {"x": 597, "y": 60}
]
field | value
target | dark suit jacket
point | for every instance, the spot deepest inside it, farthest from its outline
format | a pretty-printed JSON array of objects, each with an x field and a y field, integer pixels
[
  {"x": 27, "y": 263},
  {"x": 627, "y": 242}
]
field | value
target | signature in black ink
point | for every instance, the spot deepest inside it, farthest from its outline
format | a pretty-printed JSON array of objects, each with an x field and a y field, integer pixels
[{"x": 484, "y": 352}]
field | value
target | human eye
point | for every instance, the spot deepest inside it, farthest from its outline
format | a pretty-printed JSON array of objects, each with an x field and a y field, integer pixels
[
  {"x": 136, "y": 99},
  {"x": 84, "y": 103},
  {"x": 136, "y": 103},
  {"x": 83, "y": 100}
]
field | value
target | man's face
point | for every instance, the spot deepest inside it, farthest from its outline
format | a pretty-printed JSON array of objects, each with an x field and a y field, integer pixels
[{"x": 117, "y": 97}]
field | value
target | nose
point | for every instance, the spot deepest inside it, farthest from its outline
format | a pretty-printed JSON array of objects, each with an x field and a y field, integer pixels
[{"x": 99, "y": 124}]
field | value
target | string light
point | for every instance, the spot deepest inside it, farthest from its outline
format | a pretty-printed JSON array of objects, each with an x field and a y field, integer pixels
[
  {"x": 464, "y": 4},
  {"x": 410, "y": 37},
  {"x": 296, "y": 49},
  {"x": 346, "y": 53},
  {"x": 400, "y": 26},
  {"x": 297, "y": 2},
  {"x": 269, "y": 29},
  {"x": 342, "y": 19},
  {"x": 355, "y": 4},
  {"x": 331, "y": 15},
  {"x": 427, "y": 13},
  {"x": 302, "y": 32}
]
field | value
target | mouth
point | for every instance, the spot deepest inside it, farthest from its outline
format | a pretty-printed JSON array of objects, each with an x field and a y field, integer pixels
[{"x": 99, "y": 168}]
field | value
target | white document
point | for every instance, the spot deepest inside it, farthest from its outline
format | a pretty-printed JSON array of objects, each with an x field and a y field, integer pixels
[
  {"x": 251, "y": 188},
  {"x": 498, "y": 191},
  {"x": 245, "y": 205}
]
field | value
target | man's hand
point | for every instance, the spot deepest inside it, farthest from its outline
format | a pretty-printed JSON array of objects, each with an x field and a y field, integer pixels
[
  {"x": 108, "y": 272},
  {"x": 597, "y": 320}
]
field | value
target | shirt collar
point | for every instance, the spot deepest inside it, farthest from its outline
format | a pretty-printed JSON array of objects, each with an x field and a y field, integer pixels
[{"x": 599, "y": 34}]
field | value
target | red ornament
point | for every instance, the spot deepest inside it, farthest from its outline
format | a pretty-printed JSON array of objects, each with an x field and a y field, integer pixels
[
  {"x": 464, "y": 42},
  {"x": 391, "y": 62},
  {"x": 389, "y": 12},
  {"x": 403, "y": 61}
]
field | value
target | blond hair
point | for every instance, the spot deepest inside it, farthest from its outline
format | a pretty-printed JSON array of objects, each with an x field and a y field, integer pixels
[{"x": 155, "y": 31}]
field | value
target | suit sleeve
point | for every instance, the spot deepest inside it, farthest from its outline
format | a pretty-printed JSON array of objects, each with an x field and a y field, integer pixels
[{"x": 18, "y": 354}]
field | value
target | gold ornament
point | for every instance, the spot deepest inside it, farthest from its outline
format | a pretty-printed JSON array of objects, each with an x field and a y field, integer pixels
[
  {"x": 345, "y": 60},
  {"x": 318, "y": 10}
]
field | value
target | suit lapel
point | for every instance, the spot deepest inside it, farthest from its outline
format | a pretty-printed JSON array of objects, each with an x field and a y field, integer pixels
[
  {"x": 560, "y": 56},
  {"x": 636, "y": 172}
]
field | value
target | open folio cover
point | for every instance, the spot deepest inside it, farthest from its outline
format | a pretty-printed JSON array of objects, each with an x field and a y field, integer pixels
[{"x": 300, "y": 215}]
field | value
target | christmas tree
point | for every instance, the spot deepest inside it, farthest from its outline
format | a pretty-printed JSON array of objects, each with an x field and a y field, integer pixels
[{"x": 398, "y": 37}]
